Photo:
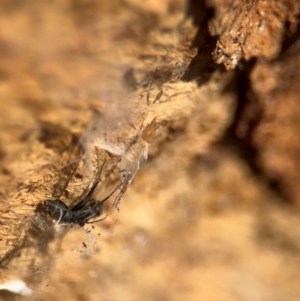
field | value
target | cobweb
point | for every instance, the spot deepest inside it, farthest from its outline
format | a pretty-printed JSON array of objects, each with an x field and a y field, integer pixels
[{"x": 119, "y": 129}]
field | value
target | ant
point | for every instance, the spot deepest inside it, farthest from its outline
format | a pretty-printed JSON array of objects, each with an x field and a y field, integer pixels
[{"x": 81, "y": 212}]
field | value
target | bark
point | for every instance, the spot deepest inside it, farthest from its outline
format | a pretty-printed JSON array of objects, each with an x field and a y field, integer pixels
[{"x": 190, "y": 109}]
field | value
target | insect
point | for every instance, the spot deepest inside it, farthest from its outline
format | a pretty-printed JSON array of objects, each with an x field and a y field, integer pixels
[{"x": 81, "y": 212}]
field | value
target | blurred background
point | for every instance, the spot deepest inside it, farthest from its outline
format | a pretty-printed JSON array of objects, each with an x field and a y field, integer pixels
[{"x": 208, "y": 90}]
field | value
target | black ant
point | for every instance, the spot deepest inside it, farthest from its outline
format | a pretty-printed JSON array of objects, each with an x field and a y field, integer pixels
[{"x": 81, "y": 212}]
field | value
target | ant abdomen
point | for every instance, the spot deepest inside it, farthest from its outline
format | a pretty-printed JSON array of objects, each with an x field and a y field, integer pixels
[{"x": 56, "y": 209}]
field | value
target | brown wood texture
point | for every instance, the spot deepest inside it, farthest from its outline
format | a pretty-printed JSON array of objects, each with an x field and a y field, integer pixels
[{"x": 193, "y": 107}]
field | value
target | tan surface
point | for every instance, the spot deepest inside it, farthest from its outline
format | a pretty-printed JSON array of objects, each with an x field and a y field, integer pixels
[{"x": 203, "y": 218}]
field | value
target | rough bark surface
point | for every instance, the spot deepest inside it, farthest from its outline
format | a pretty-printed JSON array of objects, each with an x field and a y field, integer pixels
[{"x": 208, "y": 91}]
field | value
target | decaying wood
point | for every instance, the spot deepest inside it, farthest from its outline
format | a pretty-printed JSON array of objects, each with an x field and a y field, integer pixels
[{"x": 83, "y": 82}]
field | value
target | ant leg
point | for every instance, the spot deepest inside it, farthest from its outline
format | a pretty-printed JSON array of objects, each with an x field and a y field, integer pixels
[
  {"x": 103, "y": 201},
  {"x": 86, "y": 199},
  {"x": 90, "y": 194},
  {"x": 98, "y": 220}
]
